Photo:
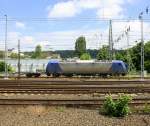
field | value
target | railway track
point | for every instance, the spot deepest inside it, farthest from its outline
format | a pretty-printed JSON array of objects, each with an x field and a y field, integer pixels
[
  {"x": 81, "y": 102},
  {"x": 79, "y": 90},
  {"x": 33, "y": 86},
  {"x": 77, "y": 77},
  {"x": 70, "y": 81},
  {"x": 73, "y": 87}
]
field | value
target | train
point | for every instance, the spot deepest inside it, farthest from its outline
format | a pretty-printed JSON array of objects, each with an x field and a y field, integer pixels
[{"x": 57, "y": 68}]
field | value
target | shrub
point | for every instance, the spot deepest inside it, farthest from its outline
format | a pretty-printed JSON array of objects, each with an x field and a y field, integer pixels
[
  {"x": 117, "y": 108},
  {"x": 2, "y": 67},
  {"x": 146, "y": 108},
  {"x": 85, "y": 56}
]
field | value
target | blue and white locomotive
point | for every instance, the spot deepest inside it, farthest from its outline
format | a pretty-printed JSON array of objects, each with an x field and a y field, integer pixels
[{"x": 82, "y": 67}]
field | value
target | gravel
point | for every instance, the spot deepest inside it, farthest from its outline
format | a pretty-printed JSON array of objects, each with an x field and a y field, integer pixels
[
  {"x": 62, "y": 116},
  {"x": 39, "y": 115}
]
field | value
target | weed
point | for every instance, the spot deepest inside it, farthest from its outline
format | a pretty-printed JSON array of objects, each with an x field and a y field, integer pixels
[{"x": 117, "y": 108}]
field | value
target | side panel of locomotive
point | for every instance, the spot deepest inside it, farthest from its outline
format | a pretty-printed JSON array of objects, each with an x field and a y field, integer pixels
[{"x": 86, "y": 67}]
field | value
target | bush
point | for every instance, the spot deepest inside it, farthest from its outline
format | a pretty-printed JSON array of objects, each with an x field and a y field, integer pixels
[
  {"x": 85, "y": 56},
  {"x": 2, "y": 67},
  {"x": 117, "y": 108},
  {"x": 146, "y": 109}
]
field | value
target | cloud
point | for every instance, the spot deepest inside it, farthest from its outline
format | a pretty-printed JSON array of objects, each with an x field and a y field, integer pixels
[
  {"x": 27, "y": 43},
  {"x": 114, "y": 11},
  {"x": 111, "y": 9},
  {"x": 134, "y": 34},
  {"x": 20, "y": 25},
  {"x": 103, "y": 8},
  {"x": 88, "y": 4},
  {"x": 62, "y": 40},
  {"x": 28, "y": 39},
  {"x": 96, "y": 38},
  {"x": 63, "y": 9},
  {"x": 71, "y": 8},
  {"x": 133, "y": 1}
]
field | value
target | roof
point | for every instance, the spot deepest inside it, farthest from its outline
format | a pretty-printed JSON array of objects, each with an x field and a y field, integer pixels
[
  {"x": 54, "y": 61},
  {"x": 117, "y": 61}
]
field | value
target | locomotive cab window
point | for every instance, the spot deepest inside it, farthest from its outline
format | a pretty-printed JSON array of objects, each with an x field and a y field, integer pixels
[{"x": 119, "y": 64}]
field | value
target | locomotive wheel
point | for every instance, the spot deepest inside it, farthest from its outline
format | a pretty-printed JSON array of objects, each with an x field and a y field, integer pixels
[
  {"x": 68, "y": 75},
  {"x": 48, "y": 74},
  {"x": 123, "y": 74},
  {"x": 37, "y": 74},
  {"x": 29, "y": 75},
  {"x": 56, "y": 75}
]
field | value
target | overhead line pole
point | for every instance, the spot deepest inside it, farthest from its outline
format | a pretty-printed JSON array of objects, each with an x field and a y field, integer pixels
[
  {"x": 110, "y": 41},
  {"x": 142, "y": 42},
  {"x": 19, "y": 59},
  {"x": 6, "y": 50},
  {"x": 128, "y": 51},
  {"x": 142, "y": 48}
]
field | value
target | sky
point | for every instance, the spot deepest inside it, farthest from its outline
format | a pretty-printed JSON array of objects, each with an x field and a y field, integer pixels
[{"x": 56, "y": 24}]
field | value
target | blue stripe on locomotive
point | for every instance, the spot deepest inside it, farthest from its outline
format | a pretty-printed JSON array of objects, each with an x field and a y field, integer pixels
[
  {"x": 53, "y": 67},
  {"x": 118, "y": 67}
]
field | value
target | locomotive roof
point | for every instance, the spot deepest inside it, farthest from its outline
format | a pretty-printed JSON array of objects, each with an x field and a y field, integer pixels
[{"x": 87, "y": 61}]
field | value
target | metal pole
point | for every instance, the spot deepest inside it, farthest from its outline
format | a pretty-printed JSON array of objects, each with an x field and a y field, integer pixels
[
  {"x": 128, "y": 52},
  {"x": 18, "y": 59},
  {"x": 6, "y": 55},
  {"x": 101, "y": 41},
  {"x": 142, "y": 50},
  {"x": 110, "y": 41}
]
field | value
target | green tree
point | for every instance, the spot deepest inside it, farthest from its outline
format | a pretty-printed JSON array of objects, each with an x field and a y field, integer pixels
[
  {"x": 103, "y": 53},
  {"x": 135, "y": 53},
  {"x": 147, "y": 56},
  {"x": 1, "y": 54},
  {"x": 121, "y": 55},
  {"x": 80, "y": 46},
  {"x": 38, "y": 52},
  {"x": 14, "y": 55},
  {"x": 85, "y": 56},
  {"x": 2, "y": 67},
  {"x": 136, "y": 56}
]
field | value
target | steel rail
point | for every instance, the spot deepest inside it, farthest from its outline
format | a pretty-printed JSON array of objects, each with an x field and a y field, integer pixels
[
  {"x": 85, "y": 102},
  {"x": 19, "y": 86},
  {"x": 75, "y": 91},
  {"x": 85, "y": 82},
  {"x": 77, "y": 77}
]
